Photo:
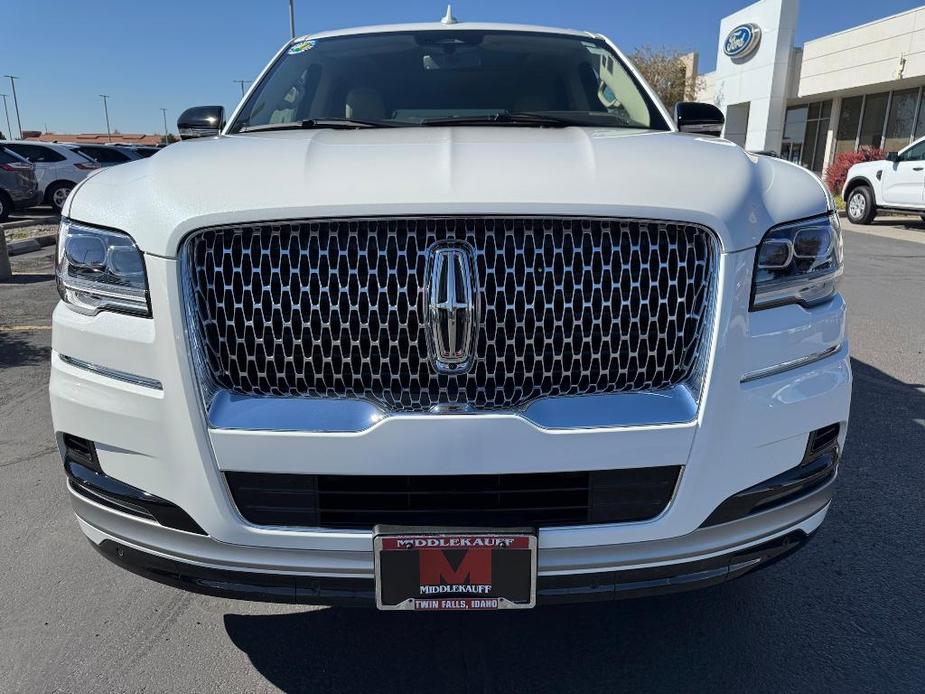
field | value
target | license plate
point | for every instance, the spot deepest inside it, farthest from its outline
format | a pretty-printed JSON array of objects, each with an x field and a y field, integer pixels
[{"x": 445, "y": 569}]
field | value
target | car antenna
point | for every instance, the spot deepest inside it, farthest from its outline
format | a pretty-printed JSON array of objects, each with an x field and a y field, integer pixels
[{"x": 448, "y": 18}]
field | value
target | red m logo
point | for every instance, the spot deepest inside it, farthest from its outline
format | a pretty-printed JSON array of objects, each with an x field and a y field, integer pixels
[{"x": 475, "y": 566}]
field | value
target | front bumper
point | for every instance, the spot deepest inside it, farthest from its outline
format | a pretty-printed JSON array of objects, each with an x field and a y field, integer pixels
[
  {"x": 706, "y": 557},
  {"x": 744, "y": 432},
  {"x": 551, "y": 590}
]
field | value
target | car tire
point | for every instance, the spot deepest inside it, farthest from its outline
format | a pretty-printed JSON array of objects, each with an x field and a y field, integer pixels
[
  {"x": 57, "y": 194},
  {"x": 6, "y": 206},
  {"x": 860, "y": 206}
]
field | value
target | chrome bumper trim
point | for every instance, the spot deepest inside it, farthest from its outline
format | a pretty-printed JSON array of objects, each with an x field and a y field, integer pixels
[
  {"x": 267, "y": 413},
  {"x": 789, "y": 365},
  {"x": 675, "y": 405},
  {"x": 113, "y": 373}
]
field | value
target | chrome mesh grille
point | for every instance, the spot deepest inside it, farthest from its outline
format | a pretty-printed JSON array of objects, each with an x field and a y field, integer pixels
[{"x": 334, "y": 308}]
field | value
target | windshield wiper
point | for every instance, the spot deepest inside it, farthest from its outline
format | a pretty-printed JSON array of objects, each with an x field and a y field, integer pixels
[
  {"x": 537, "y": 120},
  {"x": 317, "y": 123}
]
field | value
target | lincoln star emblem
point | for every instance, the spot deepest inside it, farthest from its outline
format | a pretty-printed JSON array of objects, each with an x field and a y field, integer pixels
[{"x": 451, "y": 308}]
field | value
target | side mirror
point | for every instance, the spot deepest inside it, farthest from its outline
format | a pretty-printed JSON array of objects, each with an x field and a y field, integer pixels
[
  {"x": 703, "y": 119},
  {"x": 892, "y": 156},
  {"x": 201, "y": 121}
]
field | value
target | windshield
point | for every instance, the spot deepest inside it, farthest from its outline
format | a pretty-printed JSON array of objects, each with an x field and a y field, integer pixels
[{"x": 438, "y": 76}]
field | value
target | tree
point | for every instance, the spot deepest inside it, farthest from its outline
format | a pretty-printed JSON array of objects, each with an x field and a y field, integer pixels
[{"x": 671, "y": 73}]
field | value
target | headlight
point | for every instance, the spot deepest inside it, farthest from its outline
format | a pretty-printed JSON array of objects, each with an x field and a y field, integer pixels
[
  {"x": 798, "y": 263},
  {"x": 100, "y": 270}
]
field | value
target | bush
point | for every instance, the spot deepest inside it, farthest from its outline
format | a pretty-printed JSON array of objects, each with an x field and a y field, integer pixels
[{"x": 836, "y": 174}]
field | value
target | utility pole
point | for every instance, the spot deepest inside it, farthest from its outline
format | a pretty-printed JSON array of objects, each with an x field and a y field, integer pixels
[
  {"x": 13, "y": 79},
  {"x": 106, "y": 109},
  {"x": 292, "y": 18},
  {"x": 242, "y": 83},
  {"x": 9, "y": 130},
  {"x": 166, "y": 132}
]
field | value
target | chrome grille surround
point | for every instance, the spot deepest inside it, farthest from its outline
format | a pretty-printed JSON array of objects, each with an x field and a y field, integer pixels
[{"x": 334, "y": 308}]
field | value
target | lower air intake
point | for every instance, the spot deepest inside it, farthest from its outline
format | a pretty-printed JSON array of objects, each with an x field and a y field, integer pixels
[{"x": 536, "y": 500}]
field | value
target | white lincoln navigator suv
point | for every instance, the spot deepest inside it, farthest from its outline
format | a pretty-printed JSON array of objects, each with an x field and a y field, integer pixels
[{"x": 449, "y": 316}]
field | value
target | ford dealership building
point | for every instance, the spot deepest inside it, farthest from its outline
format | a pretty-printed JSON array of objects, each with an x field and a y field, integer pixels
[{"x": 855, "y": 88}]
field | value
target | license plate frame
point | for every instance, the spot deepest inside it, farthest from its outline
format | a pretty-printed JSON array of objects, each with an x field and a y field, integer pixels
[{"x": 511, "y": 556}]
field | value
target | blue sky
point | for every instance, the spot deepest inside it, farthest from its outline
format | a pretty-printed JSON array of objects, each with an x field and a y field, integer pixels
[{"x": 179, "y": 53}]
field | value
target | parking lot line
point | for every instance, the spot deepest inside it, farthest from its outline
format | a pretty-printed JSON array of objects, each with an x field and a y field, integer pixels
[{"x": 22, "y": 328}]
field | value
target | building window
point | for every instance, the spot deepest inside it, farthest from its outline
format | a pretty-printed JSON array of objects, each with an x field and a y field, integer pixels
[
  {"x": 846, "y": 136},
  {"x": 873, "y": 120},
  {"x": 806, "y": 128},
  {"x": 902, "y": 119},
  {"x": 920, "y": 121},
  {"x": 791, "y": 147}
]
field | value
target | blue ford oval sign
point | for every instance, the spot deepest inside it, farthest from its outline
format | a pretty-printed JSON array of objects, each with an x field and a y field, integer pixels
[{"x": 742, "y": 41}]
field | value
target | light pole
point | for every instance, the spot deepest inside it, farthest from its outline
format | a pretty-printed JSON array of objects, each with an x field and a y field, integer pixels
[
  {"x": 13, "y": 79},
  {"x": 242, "y": 83},
  {"x": 292, "y": 18},
  {"x": 166, "y": 132},
  {"x": 7, "y": 112},
  {"x": 106, "y": 109}
]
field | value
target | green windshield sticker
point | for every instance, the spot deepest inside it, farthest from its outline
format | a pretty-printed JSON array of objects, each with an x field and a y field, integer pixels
[{"x": 301, "y": 47}]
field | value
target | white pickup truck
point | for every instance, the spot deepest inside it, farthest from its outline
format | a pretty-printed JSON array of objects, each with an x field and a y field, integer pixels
[
  {"x": 450, "y": 316},
  {"x": 896, "y": 183}
]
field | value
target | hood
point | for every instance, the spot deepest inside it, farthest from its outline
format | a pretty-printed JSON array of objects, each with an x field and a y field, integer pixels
[{"x": 452, "y": 170}]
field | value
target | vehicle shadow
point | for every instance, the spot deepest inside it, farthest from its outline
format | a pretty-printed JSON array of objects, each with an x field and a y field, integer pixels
[
  {"x": 28, "y": 278},
  {"x": 844, "y": 614},
  {"x": 16, "y": 351},
  {"x": 910, "y": 224}
]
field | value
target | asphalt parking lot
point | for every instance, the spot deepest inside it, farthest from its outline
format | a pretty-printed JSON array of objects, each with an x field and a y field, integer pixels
[{"x": 847, "y": 613}]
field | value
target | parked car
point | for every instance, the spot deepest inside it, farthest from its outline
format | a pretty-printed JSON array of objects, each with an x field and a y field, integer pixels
[
  {"x": 143, "y": 151},
  {"x": 450, "y": 316},
  {"x": 106, "y": 156},
  {"x": 146, "y": 152},
  {"x": 57, "y": 168},
  {"x": 896, "y": 183},
  {"x": 18, "y": 186}
]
